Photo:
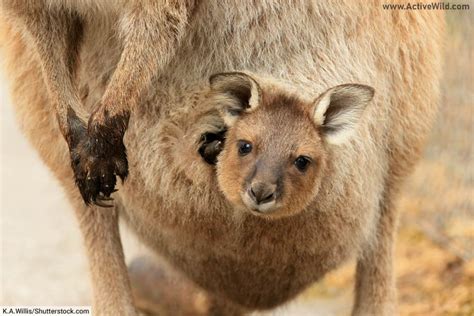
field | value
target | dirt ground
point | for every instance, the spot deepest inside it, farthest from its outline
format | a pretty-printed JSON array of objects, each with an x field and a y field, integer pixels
[{"x": 43, "y": 262}]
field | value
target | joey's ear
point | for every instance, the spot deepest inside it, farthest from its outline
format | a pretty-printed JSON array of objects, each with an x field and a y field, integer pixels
[
  {"x": 339, "y": 109},
  {"x": 234, "y": 93}
]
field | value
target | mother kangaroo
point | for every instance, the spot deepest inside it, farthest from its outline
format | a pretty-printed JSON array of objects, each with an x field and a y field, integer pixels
[{"x": 311, "y": 161}]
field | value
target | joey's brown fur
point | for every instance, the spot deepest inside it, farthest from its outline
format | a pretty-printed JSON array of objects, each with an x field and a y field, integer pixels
[{"x": 305, "y": 86}]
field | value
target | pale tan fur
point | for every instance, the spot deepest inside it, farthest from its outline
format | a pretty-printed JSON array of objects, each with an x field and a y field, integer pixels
[
  {"x": 150, "y": 31},
  {"x": 172, "y": 198}
]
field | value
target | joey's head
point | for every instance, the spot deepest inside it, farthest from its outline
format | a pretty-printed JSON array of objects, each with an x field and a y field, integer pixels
[{"x": 276, "y": 145}]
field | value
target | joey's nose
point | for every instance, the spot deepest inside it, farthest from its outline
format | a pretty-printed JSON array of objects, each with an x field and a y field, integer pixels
[{"x": 262, "y": 192}]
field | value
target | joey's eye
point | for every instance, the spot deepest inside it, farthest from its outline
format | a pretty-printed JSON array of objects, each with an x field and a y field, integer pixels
[
  {"x": 302, "y": 163},
  {"x": 244, "y": 147}
]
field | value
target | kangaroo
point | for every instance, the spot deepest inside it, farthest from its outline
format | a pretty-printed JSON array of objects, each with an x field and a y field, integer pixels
[
  {"x": 151, "y": 33},
  {"x": 267, "y": 151}
]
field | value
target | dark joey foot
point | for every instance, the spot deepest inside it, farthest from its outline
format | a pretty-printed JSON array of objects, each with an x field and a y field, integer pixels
[
  {"x": 98, "y": 156},
  {"x": 211, "y": 145}
]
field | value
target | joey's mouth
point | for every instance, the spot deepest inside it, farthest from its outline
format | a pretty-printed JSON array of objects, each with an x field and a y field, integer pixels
[{"x": 264, "y": 207}]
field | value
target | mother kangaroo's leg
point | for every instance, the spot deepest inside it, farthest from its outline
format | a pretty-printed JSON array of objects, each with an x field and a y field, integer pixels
[
  {"x": 55, "y": 34},
  {"x": 110, "y": 282},
  {"x": 159, "y": 289},
  {"x": 151, "y": 33},
  {"x": 34, "y": 111},
  {"x": 375, "y": 282}
]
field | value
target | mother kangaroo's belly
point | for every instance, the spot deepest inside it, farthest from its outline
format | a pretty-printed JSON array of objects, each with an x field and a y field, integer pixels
[
  {"x": 257, "y": 264},
  {"x": 262, "y": 282}
]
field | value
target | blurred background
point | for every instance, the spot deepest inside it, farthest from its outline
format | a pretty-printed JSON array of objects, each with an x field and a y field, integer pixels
[{"x": 43, "y": 261}]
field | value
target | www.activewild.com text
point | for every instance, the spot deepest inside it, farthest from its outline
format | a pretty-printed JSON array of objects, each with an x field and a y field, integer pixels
[{"x": 425, "y": 6}]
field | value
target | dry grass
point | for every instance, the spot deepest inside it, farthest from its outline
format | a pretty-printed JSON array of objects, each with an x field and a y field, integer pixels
[{"x": 435, "y": 247}]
